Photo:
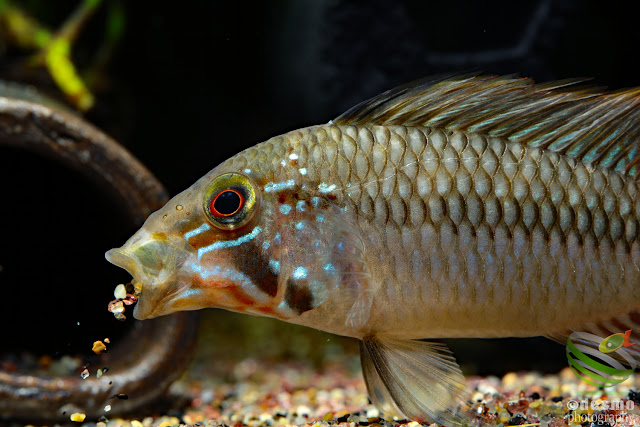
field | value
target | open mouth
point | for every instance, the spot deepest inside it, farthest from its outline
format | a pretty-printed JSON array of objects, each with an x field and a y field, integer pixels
[{"x": 155, "y": 263}]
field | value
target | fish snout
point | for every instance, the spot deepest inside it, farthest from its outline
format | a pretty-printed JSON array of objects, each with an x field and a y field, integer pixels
[{"x": 154, "y": 261}]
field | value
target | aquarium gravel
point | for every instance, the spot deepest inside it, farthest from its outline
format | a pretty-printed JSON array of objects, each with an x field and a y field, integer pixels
[{"x": 258, "y": 393}]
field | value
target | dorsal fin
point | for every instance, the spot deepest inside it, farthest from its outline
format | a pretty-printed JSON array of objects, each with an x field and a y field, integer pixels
[{"x": 573, "y": 119}]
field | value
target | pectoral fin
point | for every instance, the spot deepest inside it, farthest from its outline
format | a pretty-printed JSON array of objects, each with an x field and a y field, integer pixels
[{"x": 413, "y": 379}]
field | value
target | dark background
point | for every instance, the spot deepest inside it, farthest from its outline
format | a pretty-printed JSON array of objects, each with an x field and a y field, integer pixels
[{"x": 194, "y": 82}]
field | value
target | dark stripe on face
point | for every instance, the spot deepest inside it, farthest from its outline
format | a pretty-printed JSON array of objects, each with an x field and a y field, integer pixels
[
  {"x": 252, "y": 263},
  {"x": 298, "y": 298}
]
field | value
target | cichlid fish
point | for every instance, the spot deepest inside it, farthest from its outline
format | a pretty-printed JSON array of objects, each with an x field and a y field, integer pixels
[{"x": 469, "y": 206}]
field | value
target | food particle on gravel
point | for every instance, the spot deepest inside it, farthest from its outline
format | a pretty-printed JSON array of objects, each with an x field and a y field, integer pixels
[
  {"x": 98, "y": 347},
  {"x": 78, "y": 417}
]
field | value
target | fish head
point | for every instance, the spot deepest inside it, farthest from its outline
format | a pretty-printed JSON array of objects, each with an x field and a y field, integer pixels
[{"x": 191, "y": 253}]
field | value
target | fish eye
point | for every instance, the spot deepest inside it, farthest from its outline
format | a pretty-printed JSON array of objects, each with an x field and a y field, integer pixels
[
  {"x": 226, "y": 203},
  {"x": 230, "y": 201}
]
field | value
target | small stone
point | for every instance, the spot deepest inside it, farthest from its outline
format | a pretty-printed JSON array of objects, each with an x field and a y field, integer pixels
[
  {"x": 107, "y": 408},
  {"x": 107, "y": 340},
  {"x": 373, "y": 413},
  {"x": 136, "y": 423},
  {"x": 85, "y": 374},
  {"x": 519, "y": 406},
  {"x": 509, "y": 379},
  {"x": 78, "y": 417},
  {"x": 328, "y": 416},
  {"x": 356, "y": 419},
  {"x": 303, "y": 410},
  {"x": 99, "y": 373},
  {"x": 517, "y": 420},
  {"x": 116, "y": 306},
  {"x": 120, "y": 292},
  {"x": 121, "y": 396},
  {"x": 343, "y": 418},
  {"x": 264, "y": 417},
  {"x": 98, "y": 347}
]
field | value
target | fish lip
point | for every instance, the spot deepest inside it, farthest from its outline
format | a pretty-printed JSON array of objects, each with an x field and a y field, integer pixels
[
  {"x": 119, "y": 258},
  {"x": 147, "y": 308},
  {"x": 149, "y": 303},
  {"x": 159, "y": 288}
]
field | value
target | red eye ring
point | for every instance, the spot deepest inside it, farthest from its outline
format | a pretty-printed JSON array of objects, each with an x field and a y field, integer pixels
[{"x": 226, "y": 203}]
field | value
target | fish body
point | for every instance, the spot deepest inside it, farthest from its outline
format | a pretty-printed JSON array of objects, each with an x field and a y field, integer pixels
[{"x": 461, "y": 207}]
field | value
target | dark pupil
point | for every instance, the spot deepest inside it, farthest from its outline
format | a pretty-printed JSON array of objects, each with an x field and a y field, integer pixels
[{"x": 227, "y": 203}]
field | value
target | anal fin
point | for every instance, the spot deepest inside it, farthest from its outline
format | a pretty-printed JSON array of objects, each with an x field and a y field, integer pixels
[{"x": 417, "y": 380}]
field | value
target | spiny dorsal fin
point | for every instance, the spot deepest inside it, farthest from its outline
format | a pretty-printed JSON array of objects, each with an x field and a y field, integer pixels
[{"x": 579, "y": 121}]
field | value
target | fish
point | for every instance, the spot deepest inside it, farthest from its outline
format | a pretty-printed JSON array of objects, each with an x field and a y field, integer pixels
[
  {"x": 463, "y": 206},
  {"x": 616, "y": 341}
]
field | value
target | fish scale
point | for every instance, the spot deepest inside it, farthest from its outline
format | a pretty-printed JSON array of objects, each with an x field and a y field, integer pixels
[
  {"x": 555, "y": 196},
  {"x": 470, "y": 206}
]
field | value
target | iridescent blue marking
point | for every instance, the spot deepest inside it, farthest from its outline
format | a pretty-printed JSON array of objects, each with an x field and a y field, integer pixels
[
  {"x": 274, "y": 266},
  {"x": 189, "y": 234},
  {"x": 285, "y": 209},
  {"x": 278, "y": 186},
  {"x": 236, "y": 277},
  {"x": 299, "y": 225},
  {"x": 277, "y": 239},
  {"x": 300, "y": 273},
  {"x": 324, "y": 188},
  {"x": 301, "y": 206},
  {"x": 303, "y": 171},
  {"x": 293, "y": 156},
  {"x": 224, "y": 244},
  {"x": 329, "y": 268},
  {"x": 265, "y": 245}
]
